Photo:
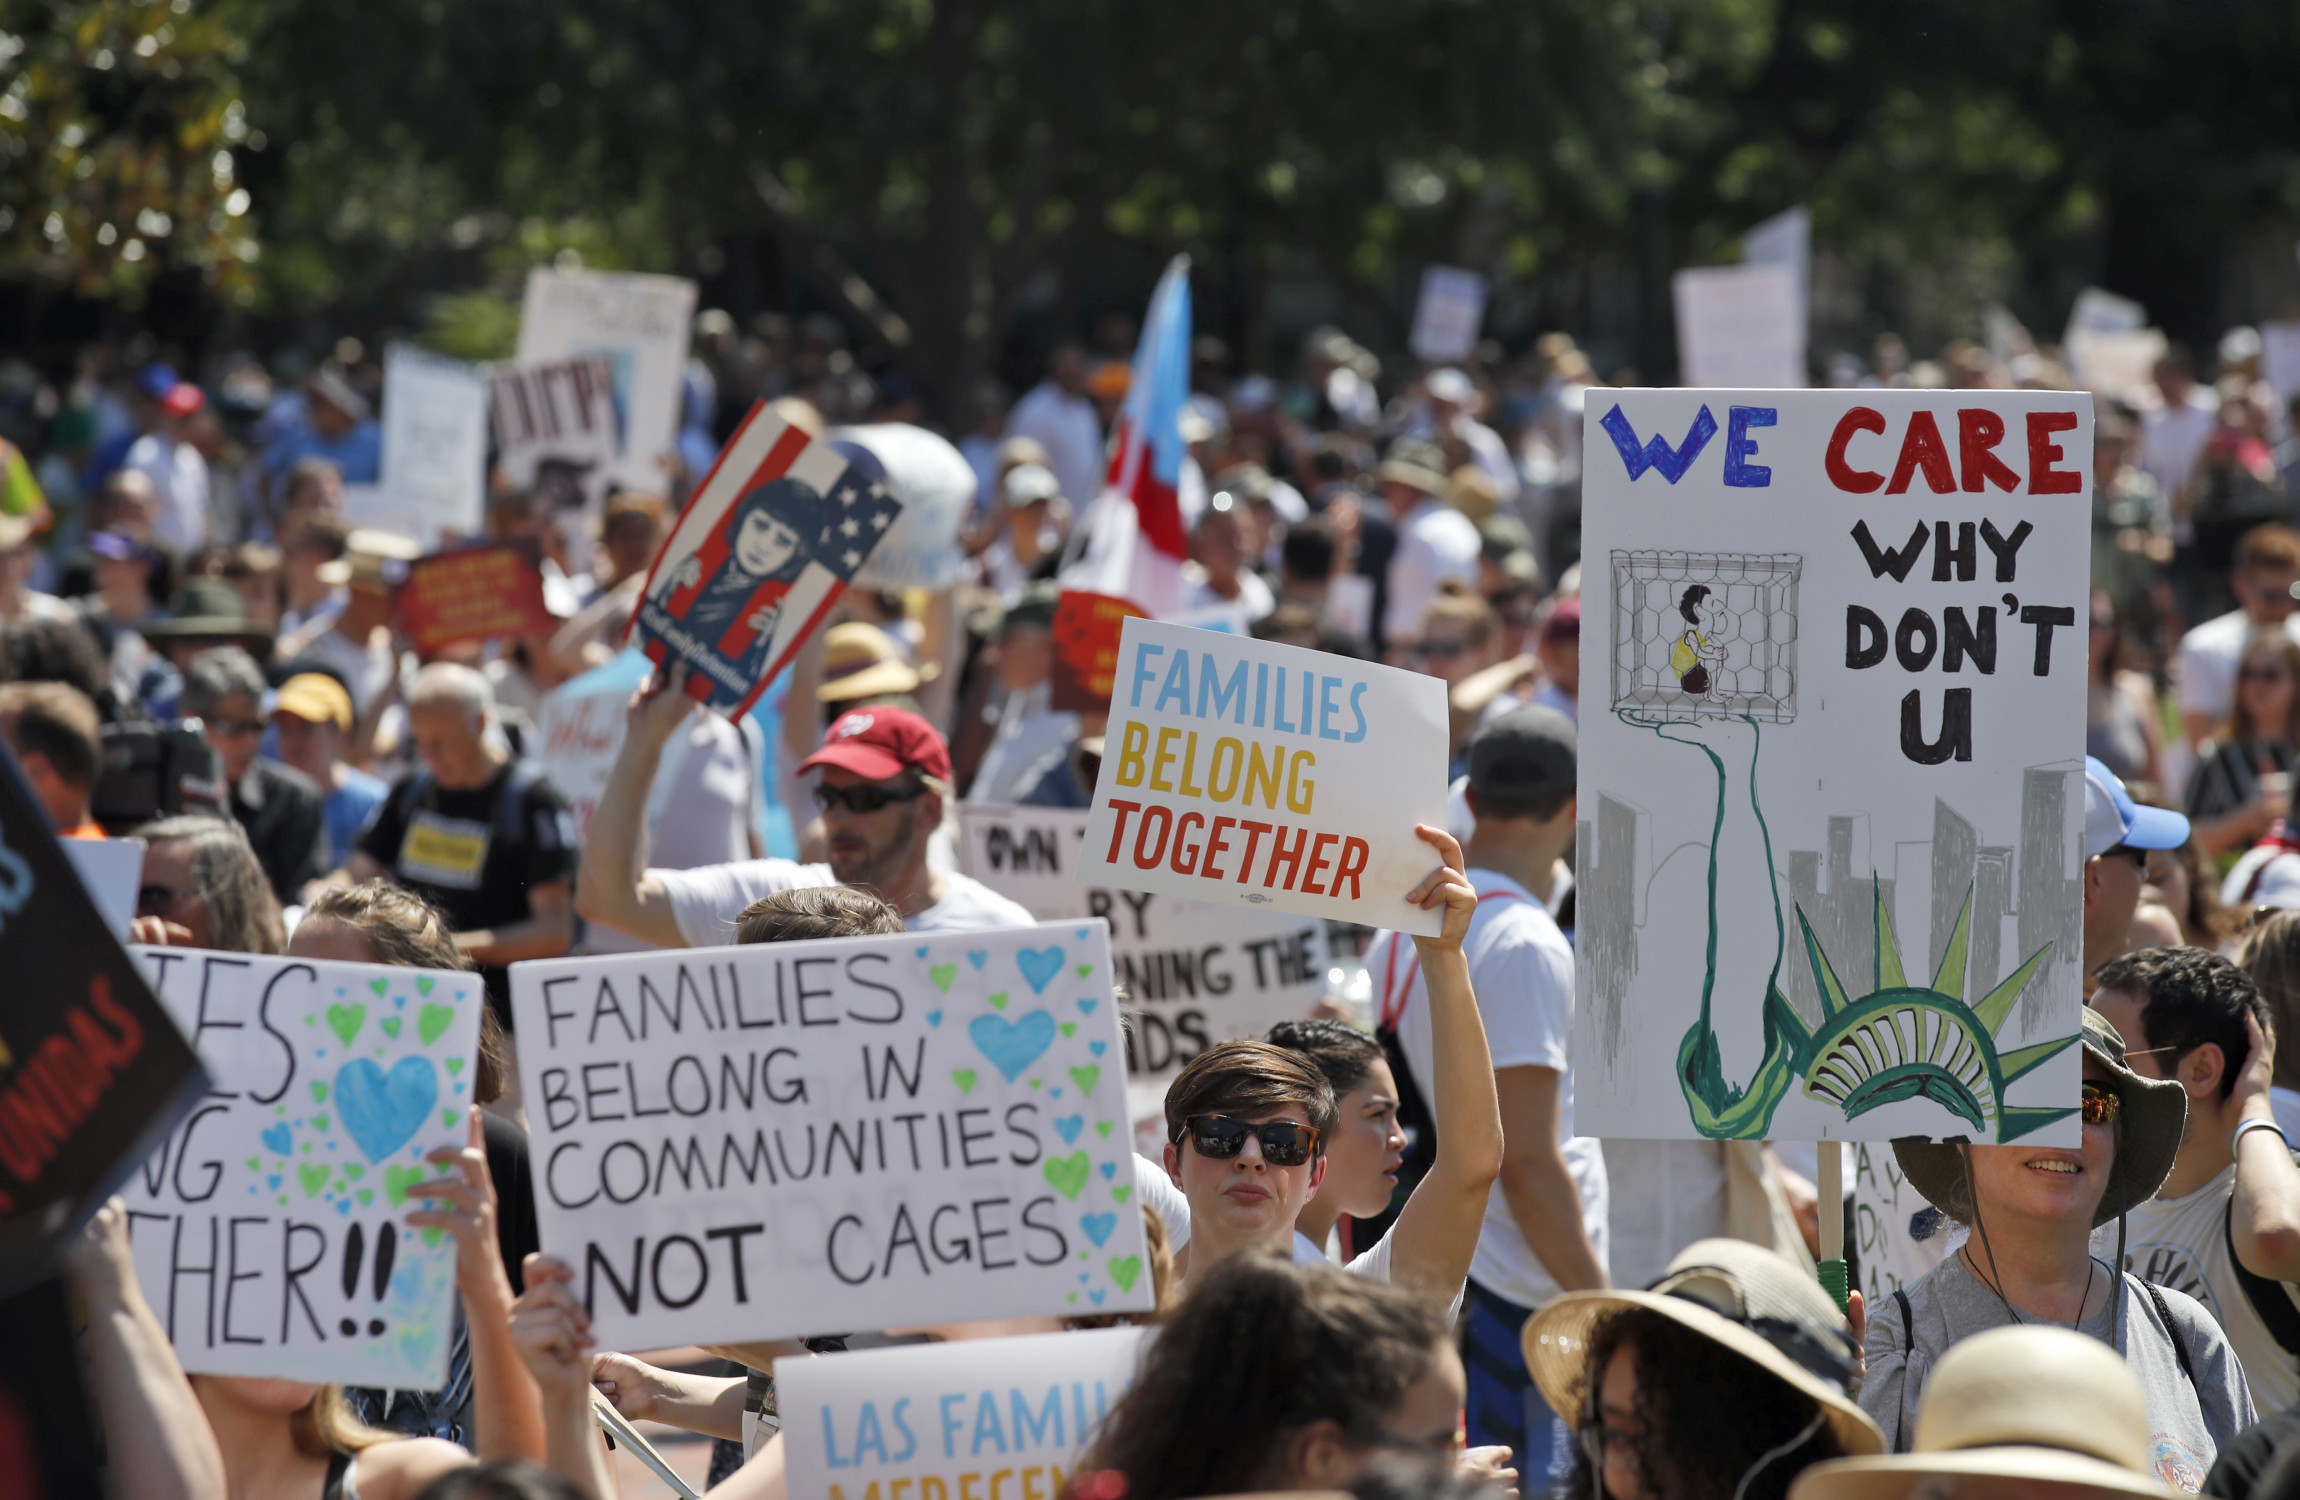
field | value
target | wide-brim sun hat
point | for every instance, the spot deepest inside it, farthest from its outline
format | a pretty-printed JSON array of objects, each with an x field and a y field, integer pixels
[
  {"x": 2038, "y": 1406},
  {"x": 1738, "y": 1295},
  {"x": 862, "y": 661},
  {"x": 2155, "y": 1111}
]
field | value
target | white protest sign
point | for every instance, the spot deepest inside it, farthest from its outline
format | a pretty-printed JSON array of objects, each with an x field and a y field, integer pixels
[
  {"x": 110, "y": 869},
  {"x": 1251, "y": 773},
  {"x": 1195, "y": 973},
  {"x": 1897, "y": 1235},
  {"x": 556, "y": 429},
  {"x": 954, "y": 1420},
  {"x": 268, "y": 1231},
  {"x": 638, "y": 324},
  {"x": 1741, "y": 326},
  {"x": 435, "y": 441},
  {"x": 936, "y": 486},
  {"x": 1831, "y": 805},
  {"x": 796, "y": 1138},
  {"x": 1447, "y": 315},
  {"x": 2280, "y": 357},
  {"x": 580, "y": 728}
]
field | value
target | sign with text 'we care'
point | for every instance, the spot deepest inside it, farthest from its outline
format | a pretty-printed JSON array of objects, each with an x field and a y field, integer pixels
[
  {"x": 268, "y": 1230},
  {"x": 1256, "y": 774},
  {"x": 796, "y": 1138}
]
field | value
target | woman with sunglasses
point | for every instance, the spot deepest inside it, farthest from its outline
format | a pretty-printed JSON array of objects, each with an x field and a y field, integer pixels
[
  {"x": 202, "y": 888},
  {"x": 2246, "y": 784},
  {"x": 2032, "y": 1210}
]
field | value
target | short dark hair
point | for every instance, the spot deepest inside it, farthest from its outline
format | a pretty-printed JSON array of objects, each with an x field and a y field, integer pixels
[
  {"x": 823, "y": 911},
  {"x": 218, "y": 673},
  {"x": 1308, "y": 550},
  {"x": 53, "y": 651},
  {"x": 1239, "y": 1076},
  {"x": 2190, "y": 997},
  {"x": 56, "y": 720},
  {"x": 1340, "y": 1051}
]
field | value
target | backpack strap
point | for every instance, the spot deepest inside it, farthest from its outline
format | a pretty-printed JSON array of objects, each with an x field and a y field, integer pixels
[
  {"x": 2171, "y": 1329},
  {"x": 2271, "y": 1302},
  {"x": 1908, "y": 1323},
  {"x": 511, "y": 807},
  {"x": 411, "y": 793}
]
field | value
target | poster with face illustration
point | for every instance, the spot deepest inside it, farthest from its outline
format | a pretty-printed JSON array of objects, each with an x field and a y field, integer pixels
[
  {"x": 800, "y": 1138},
  {"x": 270, "y": 1230},
  {"x": 1831, "y": 799},
  {"x": 769, "y": 542}
]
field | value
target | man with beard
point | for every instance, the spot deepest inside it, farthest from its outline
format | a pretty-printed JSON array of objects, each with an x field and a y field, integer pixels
[{"x": 885, "y": 778}]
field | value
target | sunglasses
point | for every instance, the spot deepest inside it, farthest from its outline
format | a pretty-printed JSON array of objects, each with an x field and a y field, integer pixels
[
  {"x": 1284, "y": 1143},
  {"x": 2102, "y": 1104},
  {"x": 864, "y": 799}
]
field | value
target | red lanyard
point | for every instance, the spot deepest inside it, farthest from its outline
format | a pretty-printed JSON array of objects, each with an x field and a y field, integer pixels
[{"x": 1394, "y": 994}]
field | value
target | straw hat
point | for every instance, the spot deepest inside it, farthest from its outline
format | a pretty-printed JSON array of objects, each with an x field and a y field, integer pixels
[
  {"x": 2030, "y": 1404},
  {"x": 862, "y": 661},
  {"x": 1740, "y": 1295},
  {"x": 2155, "y": 1110},
  {"x": 1415, "y": 464}
]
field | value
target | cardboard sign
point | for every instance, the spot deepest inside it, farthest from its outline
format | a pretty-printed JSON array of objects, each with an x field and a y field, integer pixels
[
  {"x": 1897, "y": 1235},
  {"x": 1196, "y": 973},
  {"x": 770, "y": 540},
  {"x": 434, "y": 442},
  {"x": 92, "y": 1070},
  {"x": 473, "y": 594},
  {"x": 1249, "y": 773},
  {"x": 268, "y": 1229},
  {"x": 1447, "y": 315},
  {"x": 798, "y": 1138},
  {"x": 1741, "y": 326},
  {"x": 638, "y": 325},
  {"x": 1832, "y": 732},
  {"x": 976, "y": 1418},
  {"x": 1085, "y": 634},
  {"x": 556, "y": 429}
]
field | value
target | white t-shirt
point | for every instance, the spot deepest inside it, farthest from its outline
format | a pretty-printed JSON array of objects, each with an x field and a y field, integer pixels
[
  {"x": 707, "y": 900},
  {"x": 1435, "y": 543},
  {"x": 1254, "y": 597},
  {"x": 2172, "y": 438},
  {"x": 1663, "y": 1196},
  {"x": 2182, "y": 1243},
  {"x": 1067, "y": 427},
  {"x": 180, "y": 478},
  {"x": 2205, "y": 672},
  {"x": 1522, "y": 970}
]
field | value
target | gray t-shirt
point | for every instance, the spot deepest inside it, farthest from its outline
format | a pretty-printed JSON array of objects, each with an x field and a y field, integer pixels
[{"x": 2188, "y": 1422}]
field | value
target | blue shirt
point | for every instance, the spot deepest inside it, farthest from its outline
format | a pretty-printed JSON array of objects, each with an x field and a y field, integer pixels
[
  {"x": 358, "y": 453},
  {"x": 349, "y": 809}
]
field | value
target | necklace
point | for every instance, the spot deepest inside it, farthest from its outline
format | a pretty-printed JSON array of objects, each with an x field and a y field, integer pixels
[{"x": 2091, "y": 1267}]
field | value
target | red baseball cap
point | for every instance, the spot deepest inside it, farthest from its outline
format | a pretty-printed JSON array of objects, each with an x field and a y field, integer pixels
[
  {"x": 183, "y": 399},
  {"x": 881, "y": 743}
]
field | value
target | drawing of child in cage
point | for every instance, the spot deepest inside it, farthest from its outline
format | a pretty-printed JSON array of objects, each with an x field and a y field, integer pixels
[{"x": 1699, "y": 653}]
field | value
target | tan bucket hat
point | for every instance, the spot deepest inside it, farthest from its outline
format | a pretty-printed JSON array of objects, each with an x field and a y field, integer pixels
[
  {"x": 2033, "y": 1405},
  {"x": 1740, "y": 1295},
  {"x": 2155, "y": 1111},
  {"x": 862, "y": 661}
]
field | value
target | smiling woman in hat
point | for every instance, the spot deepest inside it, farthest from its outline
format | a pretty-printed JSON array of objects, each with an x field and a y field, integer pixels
[
  {"x": 2032, "y": 1210},
  {"x": 1722, "y": 1382}
]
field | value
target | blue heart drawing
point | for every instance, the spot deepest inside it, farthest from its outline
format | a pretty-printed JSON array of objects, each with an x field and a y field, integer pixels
[
  {"x": 1108, "y": 1169},
  {"x": 934, "y": 1018},
  {"x": 1098, "y": 1048},
  {"x": 921, "y": 953},
  {"x": 1083, "y": 934},
  {"x": 1039, "y": 966},
  {"x": 275, "y": 1181},
  {"x": 1099, "y": 1227},
  {"x": 1084, "y": 1277},
  {"x": 343, "y": 1206},
  {"x": 1057, "y": 1093},
  {"x": 1068, "y": 1127},
  {"x": 978, "y": 957},
  {"x": 278, "y": 1138},
  {"x": 1087, "y": 1006},
  {"x": 381, "y": 1110},
  {"x": 1097, "y": 1294},
  {"x": 1012, "y": 1046}
]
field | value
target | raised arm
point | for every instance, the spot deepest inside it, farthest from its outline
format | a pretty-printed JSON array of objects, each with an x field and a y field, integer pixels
[
  {"x": 1437, "y": 1231},
  {"x": 159, "y": 1445},
  {"x": 612, "y": 887},
  {"x": 2264, "y": 1214},
  {"x": 554, "y": 1338}
]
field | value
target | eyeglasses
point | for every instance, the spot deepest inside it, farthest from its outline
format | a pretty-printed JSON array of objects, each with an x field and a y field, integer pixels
[
  {"x": 1284, "y": 1143},
  {"x": 866, "y": 798},
  {"x": 1596, "y": 1437},
  {"x": 2102, "y": 1104}
]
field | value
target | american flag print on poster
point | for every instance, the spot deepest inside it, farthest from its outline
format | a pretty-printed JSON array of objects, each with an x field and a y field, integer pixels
[{"x": 771, "y": 539}]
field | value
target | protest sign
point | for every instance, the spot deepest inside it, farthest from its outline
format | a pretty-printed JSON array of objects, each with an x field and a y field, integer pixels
[
  {"x": 1897, "y": 1235},
  {"x": 434, "y": 442},
  {"x": 267, "y": 1229},
  {"x": 1741, "y": 326},
  {"x": 1831, "y": 801},
  {"x": 936, "y": 486},
  {"x": 2280, "y": 357},
  {"x": 1086, "y": 627},
  {"x": 1195, "y": 973},
  {"x": 1786, "y": 239},
  {"x": 1447, "y": 315},
  {"x": 580, "y": 728},
  {"x": 975, "y": 1418},
  {"x": 1246, "y": 772},
  {"x": 92, "y": 1070},
  {"x": 796, "y": 1138},
  {"x": 770, "y": 540},
  {"x": 556, "y": 429},
  {"x": 111, "y": 869},
  {"x": 473, "y": 594},
  {"x": 638, "y": 324}
]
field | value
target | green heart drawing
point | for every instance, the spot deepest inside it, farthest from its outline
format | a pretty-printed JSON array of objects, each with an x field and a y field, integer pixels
[
  {"x": 312, "y": 1177},
  {"x": 1084, "y": 970},
  {"x": 964, "y": 1078},
  {"x": 447, "y": 1117},
  {"x": 998, "y": 1001},
  {"x": 1086, "y": 1077},
  {"x": 1067, "y": 1174},
  {"x": 319, "y": 1122},
  {"x": 1073, "y": 1296},
  {"x": 397, "y": 1180},
  {"x": 432, "y": 1020},
  {"x": 379, "y": 986},
  {"x": 942, "y": 975},
  {"x": 1067, "y": 1028},
  {"x": 254, "y": 1165},
  {"x": 319, "y": 1091},
  {"x": 1103, "y": 1128},
  {"x": 1125, "y": 1270},
  {"x": 355, "y": 1170},
  {"x": 423, "y": 984},
  {"x": 454, "y": 1067},
  {"x": 345, "y": 1020},
  {"x": 390, "y": 1025},
  {"x": 433, "y": 1236},
  {"x": 1119, "y": 1193},
  {"x": 1038, "y": 1083},
  {"x": 366, "y": 1196}
]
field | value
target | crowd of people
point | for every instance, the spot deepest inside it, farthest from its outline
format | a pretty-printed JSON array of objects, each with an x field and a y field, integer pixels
[{"x": 1386, "y": 1261}]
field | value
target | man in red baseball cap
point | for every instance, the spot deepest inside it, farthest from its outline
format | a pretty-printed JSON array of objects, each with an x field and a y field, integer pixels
[{"x": 884, "y": 780}]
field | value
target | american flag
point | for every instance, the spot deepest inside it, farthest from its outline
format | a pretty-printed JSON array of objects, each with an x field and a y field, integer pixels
[{"x": 862, "y": 512}]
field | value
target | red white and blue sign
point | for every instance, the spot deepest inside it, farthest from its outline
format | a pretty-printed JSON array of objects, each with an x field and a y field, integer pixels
[{"x": 769, "y": 542}]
